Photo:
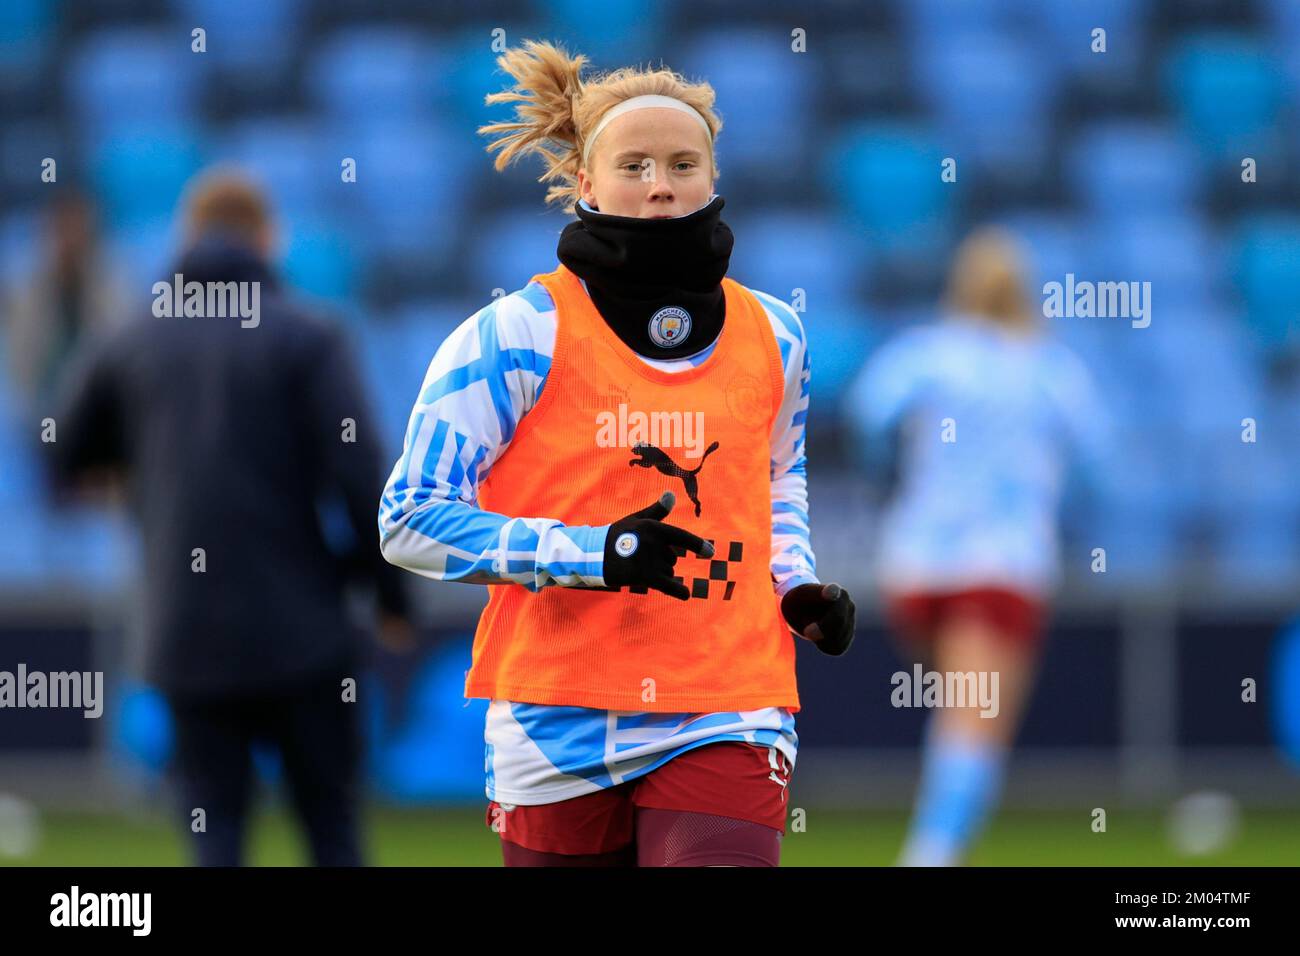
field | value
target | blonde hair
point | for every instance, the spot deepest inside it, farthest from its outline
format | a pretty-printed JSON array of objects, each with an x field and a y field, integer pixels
[
  {"x": 988, "y": 279},
  {"x": 225, "y": 199},
  {"x": 557, "y": 110}
]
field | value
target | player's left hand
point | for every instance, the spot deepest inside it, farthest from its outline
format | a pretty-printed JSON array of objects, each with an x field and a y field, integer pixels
[{"x": 823, "y": 613}]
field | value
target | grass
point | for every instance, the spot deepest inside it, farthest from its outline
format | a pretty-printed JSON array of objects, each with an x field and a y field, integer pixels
[{"x": 458, "y": 837}]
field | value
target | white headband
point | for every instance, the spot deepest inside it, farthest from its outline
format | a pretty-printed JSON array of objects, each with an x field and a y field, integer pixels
[{"x": 640, "y": 103}]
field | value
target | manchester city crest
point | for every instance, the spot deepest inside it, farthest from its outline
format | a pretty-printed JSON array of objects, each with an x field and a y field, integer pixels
[{"x": 669, "y": 326}]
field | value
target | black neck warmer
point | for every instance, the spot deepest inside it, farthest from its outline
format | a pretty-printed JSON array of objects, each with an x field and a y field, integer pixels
[{"x": 656, "y": 282}]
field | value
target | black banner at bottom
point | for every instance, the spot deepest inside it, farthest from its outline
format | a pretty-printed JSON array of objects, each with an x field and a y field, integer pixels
[{"x": 335, "y": 906}]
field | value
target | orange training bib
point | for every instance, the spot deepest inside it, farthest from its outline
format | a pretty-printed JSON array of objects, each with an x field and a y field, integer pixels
[{"x": 608, "y": 435}]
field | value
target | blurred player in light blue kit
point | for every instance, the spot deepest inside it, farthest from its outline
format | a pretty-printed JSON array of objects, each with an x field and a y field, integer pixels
[{"x": 980, "y": 413}]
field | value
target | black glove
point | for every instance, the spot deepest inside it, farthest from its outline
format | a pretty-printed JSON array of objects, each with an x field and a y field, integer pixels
[
  {"x": 639, "y": 549},
  {"x": 823, "y": 613}
]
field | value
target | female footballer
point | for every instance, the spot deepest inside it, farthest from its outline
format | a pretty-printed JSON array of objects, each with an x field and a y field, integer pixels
[
  {"x": 618, "y": 448},
  {"x": 987, "y": 410}
]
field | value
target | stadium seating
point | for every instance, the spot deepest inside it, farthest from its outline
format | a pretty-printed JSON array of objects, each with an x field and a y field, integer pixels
[
  {"x": 1266, "y": 267},
  {"x": 1108, "y": 165},
  {"x": 884, "y": 177},
  {"x": 1227, "y": 90},
  {"x": 1131, "y": 166},
  {"x": 132, "y": 76}
]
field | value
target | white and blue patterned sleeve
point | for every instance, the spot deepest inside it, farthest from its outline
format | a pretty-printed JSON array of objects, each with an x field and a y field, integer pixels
[
  {"x": 484, "y": 378},
  {"x": 883, "y": 391},
  {"x": 793, "y": 561}
]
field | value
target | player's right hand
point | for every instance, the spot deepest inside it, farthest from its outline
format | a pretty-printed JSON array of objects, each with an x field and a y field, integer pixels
[{"x": 639, "y": 549}]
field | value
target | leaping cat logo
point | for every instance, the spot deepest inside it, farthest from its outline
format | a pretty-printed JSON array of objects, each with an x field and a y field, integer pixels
[{"x": 648, "y": 456}]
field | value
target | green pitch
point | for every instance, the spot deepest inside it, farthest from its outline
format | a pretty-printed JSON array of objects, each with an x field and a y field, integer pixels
[{"x": 457, "y": 837}]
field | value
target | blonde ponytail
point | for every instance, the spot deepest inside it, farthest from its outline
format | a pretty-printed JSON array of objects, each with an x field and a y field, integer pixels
[
  {"x": 987, "y": 279},
  {"x": 556, "y": 110}
]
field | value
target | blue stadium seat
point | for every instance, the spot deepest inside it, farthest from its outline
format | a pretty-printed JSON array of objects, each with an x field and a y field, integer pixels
[
  {"x": 885, "y": 180},
  {"x": 376, "y": 73},
  {"x": 1143, "y": 548},
  {"x": 1254, "y": 475},
  {"x": 24, "y": 144},
  {"x": 1282, "y": 17},
  {"x": 396, "y": 351},
  {"x": 391, "y": 395},
  {"x": 1177, "y": 253},
  {"x": 144, "y": 252},
  {"x": 1139, "y": 380},
  {"x": 990, "y": 94},
  {"x": 1281, "y": 416},
  {"x": 766, "y": 97},
  {"x": 1256, "y": 508},
  {"x": 1265, "y": 262},
  {"x": 253, "y": 35},
  {"x": 783, "y": 249},
  {"x": 422, "y": 326},
  {"x": 91, "y": 546},
  {"x": 1135, "y": 520},
  {"x": 1282, "y": 21},
  {"x": 26, "y": 32},
  {"x": 140, "y": 171},
  {"x": 625, "y": 31},
  {"x": 133, "y": 76},
  {"x": 1067, "y": 26},
  {"x": 322, "y": 258},
  {"x": 20, "y": 479},
  {"x": 22, "y": 552},
  {"x": 1184, "y": 327},
  {"x": 840, "y": 335},
  {"x": 1094, "y": 345},
  {"x": 1221, "y": 382},
  {"x": 1256, "y": 550},
  {"x": 288, "y": 156},
  {"x": 470, "y": 74},
  {"x": 510, "y": 248},
  {"x": 936, "y": 18},
  {"x": 1227, "y": 90},
  {"x": 1128, "y": 166},
  {"x": 411, "y": 187}
]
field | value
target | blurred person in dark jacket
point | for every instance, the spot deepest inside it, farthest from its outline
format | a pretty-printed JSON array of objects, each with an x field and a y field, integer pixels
[{"x": 231, "y": 433}]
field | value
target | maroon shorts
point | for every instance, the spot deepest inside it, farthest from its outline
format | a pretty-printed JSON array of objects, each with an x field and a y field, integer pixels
[
  {"x": 731, "y": 779},
  {"x": 918, "y": 616}
]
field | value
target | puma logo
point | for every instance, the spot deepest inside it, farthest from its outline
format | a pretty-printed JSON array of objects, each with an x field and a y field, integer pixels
[
  {"x": 779, "y": 765},
  {"x": 648, "y": 456}
]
